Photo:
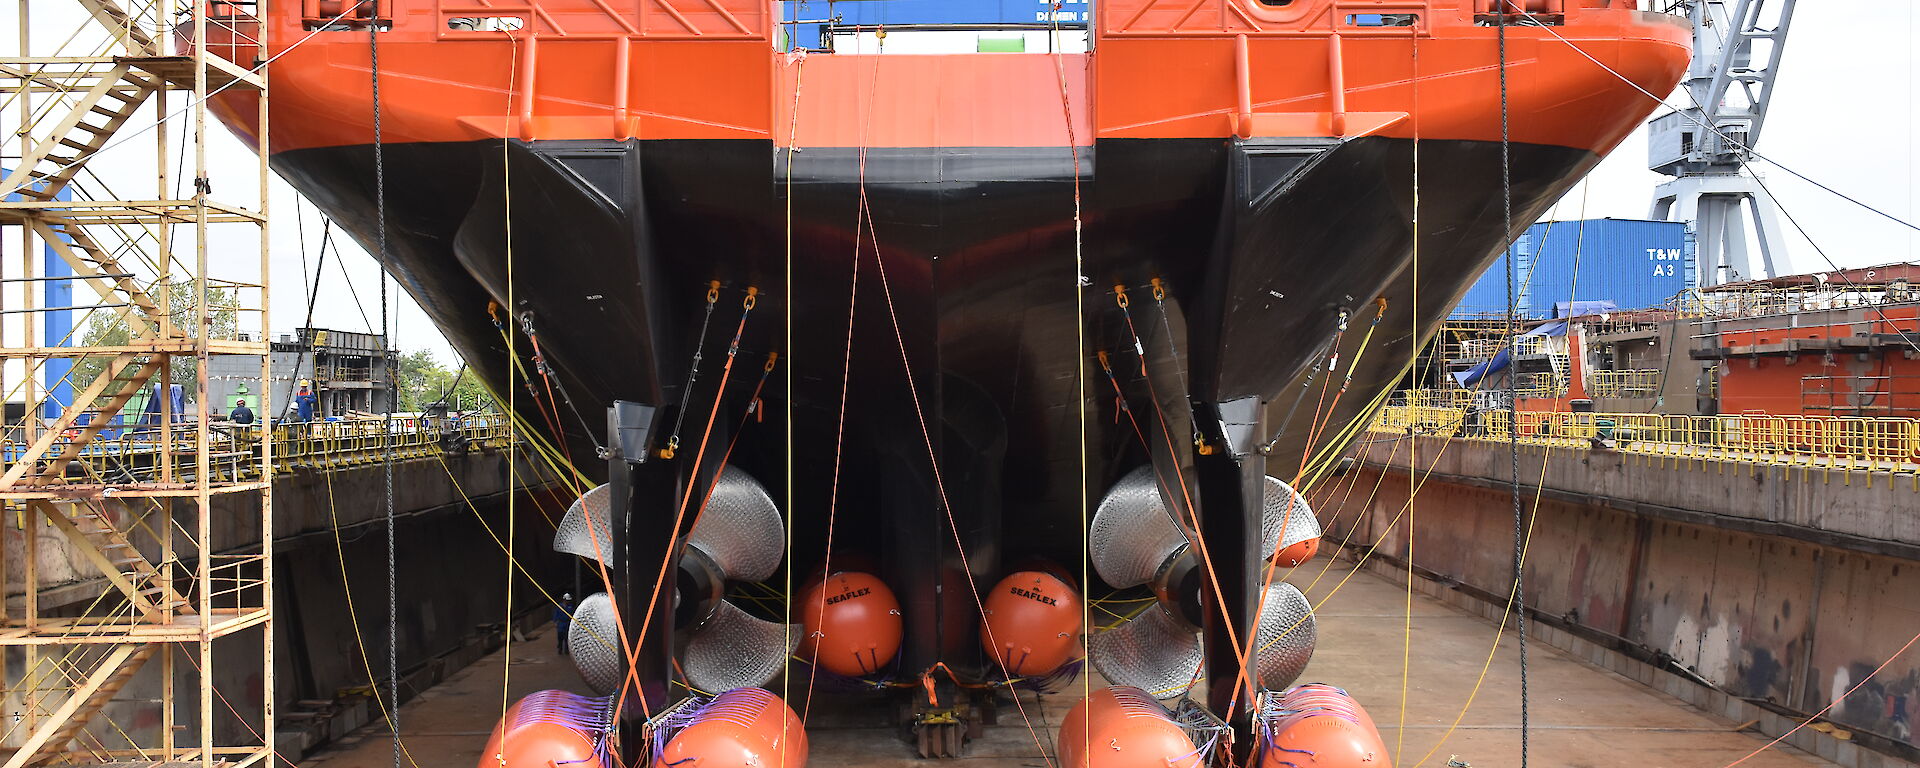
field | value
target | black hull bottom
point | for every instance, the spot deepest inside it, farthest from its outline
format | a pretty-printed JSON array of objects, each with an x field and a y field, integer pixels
[{"x": 1262, "y": 247}]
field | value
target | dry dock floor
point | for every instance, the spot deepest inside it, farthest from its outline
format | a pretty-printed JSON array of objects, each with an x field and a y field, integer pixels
[{"x": 1580, "y": 715}]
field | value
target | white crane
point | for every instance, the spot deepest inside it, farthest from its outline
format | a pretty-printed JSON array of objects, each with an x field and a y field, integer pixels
[{"x": 1706, "y": 145}]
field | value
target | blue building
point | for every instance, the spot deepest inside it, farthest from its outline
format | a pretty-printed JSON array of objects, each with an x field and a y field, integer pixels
[
  {"x": 1564, "y": 267},
  {"x": 811, "y": 22}
]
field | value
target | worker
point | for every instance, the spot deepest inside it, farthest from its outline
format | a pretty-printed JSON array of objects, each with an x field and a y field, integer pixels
[
  {"x": 240, "y": 414},
  {"x": 563, "y": 621},
  {"x": 304, "y": 402}
]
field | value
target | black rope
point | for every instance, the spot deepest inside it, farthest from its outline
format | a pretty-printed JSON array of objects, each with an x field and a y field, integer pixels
[
  {"x": 546, "y": 371},
  {"x": 380, "y": 255},
  {"x": 693, "y": 372},
  {"x": 300, "y": 355},
  {"x": 448, "y": 392},
  {"x": 1513, "y": 369}
]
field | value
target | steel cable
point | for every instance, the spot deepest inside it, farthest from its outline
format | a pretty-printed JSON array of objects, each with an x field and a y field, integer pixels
[
  {"x": 1513, "y": 381},
  {"x": 386, "y": 423}
]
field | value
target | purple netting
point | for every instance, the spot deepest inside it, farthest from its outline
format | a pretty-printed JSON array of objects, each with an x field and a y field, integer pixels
[
  {"x": 1280, "y": 712},
  {"x": 592, "y": 716}
]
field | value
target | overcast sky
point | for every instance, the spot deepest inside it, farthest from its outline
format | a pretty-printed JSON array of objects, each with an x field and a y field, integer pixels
[{"x": 1843, "y": 115}]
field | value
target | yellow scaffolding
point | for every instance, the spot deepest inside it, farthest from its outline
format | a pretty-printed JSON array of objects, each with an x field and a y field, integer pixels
[{"x": 131, "y": 580}]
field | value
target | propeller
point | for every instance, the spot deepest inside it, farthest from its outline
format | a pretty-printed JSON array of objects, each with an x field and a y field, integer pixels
[
  {"x": 738, "y": 537},
  {"x": 1134, "y": 540},
  {"x": 1287, "y": 524},
  {"x": 584, "y": 525}
]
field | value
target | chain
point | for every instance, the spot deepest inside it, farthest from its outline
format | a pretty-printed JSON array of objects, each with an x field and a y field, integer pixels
[
  {"x": 1513, "y": 421},
  {"x": 380, "y": 254}
]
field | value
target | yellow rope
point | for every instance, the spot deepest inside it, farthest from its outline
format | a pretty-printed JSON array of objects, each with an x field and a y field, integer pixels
[
  {"x": 1499, "y": 631},
  {"x": 786, "y": 606},
  {"x": 506, "y": 205},
  {"x": 1413, "y": 356},
  {"x": 353, "y": 615}
]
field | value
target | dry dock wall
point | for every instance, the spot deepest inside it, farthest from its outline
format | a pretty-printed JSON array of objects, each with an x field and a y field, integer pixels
[
  {"x": 1773, "y": 584},
  {"x": 452, "y": 581}
]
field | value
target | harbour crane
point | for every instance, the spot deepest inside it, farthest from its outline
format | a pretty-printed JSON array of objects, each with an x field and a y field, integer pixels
[{"x": 1705, "y": 146}]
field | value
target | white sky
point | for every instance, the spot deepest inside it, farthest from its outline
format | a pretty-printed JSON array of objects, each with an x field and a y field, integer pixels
[{"x": 1843, "y": 114}]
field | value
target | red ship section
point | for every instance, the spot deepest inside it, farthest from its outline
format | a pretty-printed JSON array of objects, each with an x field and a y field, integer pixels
[{"x": 592, "y": 69}]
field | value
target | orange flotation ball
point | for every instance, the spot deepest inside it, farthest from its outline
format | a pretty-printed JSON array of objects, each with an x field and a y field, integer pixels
[
  {"x": 742, "y": 728},
  {"x": 544, "y": 729},
  {"x": 852, "y": 624},
  {"x": 1321, "y": 726},
  {"x": 1123, "y": 727},
  {"x": 1032, "y": 624}
]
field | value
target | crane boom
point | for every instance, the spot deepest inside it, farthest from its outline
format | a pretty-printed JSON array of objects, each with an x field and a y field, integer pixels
[{"x": 1706, "y": 145}]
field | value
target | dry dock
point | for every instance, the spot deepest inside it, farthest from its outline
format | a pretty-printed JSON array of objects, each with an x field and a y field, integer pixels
[{"x": 1580, "y": 714}]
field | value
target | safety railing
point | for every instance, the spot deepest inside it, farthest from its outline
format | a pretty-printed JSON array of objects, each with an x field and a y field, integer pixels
[
  {"x": 1643, "y": 382},
  {"x": 1482, "y": 348},
  {"x": 1837, "y": 442},
  {"x": 130, "y": 453},
  {"x": 1542, "y": 385},
  {"x": 354, "y": 442},
  {"x": 1769, "y": 301},
  {"x": 1453, "y": 397}
]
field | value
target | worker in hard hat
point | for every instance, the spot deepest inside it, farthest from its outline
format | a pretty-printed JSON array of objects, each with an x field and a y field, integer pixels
[
  {"x": 240, "y": 413},
  {"x": 304, "y": 402},
  {"x": 563, "y": 621}
]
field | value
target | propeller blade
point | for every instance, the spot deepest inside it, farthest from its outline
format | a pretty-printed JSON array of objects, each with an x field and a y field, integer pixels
[
  {"x": 594, "y": 641},
  {"x": 1284, "y": 641},
  {"x": 1286, "y": 519},
  {"x": 740, "y": 530},
  {"x": 586, "y": 521},
  {"x": 1132, "y": 533},
  {"x": 1153, "y": 652},
  {"x": 734, "y": 649}
]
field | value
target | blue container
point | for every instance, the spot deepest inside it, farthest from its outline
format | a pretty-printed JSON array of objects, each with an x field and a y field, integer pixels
[
  {"x": 894, "y": 13},
  {"x": 1628, "y": 263}
]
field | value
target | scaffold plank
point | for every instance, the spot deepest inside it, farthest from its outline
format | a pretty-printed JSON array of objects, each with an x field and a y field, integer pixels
[
  {"x": 177, "y": 71},
  {"x": 103, "y": 631}
]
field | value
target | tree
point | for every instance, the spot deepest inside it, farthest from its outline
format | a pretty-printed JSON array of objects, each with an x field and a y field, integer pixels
[
  {"x": 423, "y": 381},
  {"x": 109, "y": 329}
]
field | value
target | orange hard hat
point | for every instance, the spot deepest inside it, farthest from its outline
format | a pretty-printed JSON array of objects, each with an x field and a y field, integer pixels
[
  {"x": 852, "y": 624},
  {"x": 742, "y": 728},
  {"x": 1123, "y": 727},
  {"x": 1325, "y": 722},
  {"x": 543, "y": 729},
  {"x": 1032, "y": 624}
]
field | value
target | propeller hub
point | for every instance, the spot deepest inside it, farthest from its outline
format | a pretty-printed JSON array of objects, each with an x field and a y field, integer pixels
[
  {"x": 1177, "y": 583},
  {"x": 699, "y": 586}
]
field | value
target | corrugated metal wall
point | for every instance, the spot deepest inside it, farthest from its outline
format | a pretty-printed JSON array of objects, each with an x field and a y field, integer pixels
[{"x": 1634, "y": 264}]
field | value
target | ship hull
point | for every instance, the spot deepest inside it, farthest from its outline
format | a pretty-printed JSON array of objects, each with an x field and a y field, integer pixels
[{"x": 966, "y": 291}]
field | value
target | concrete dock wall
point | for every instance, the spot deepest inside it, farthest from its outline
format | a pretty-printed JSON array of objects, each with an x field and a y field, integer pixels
[
  {"x": 452, "y": 527},
  {"x": 1767, "y": 585}
]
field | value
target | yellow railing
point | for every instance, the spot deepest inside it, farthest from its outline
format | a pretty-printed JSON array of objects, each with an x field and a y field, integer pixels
[
  {"x": 325, "y": 444},
  {"x": 1542, "y": 385},
  {"x": 1633, "y": 383},
  {"x": 1453, "y": 397},
  {"x": 1820, "y": 441},
  {"x": 134, "y": 451},
  {"x": 1770, "y": 300}
]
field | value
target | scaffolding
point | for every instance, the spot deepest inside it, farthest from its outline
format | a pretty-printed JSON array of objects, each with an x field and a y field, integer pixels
[{"x": 138, "y": 620}]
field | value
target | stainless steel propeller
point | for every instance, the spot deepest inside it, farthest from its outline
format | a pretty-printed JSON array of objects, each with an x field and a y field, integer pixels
[
  {"x": 584, "y": 530},
  {"x": 1285, "y": 519},
  {"x": 739, "y": 536},
  {"x": 1134, "y": 541}
]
